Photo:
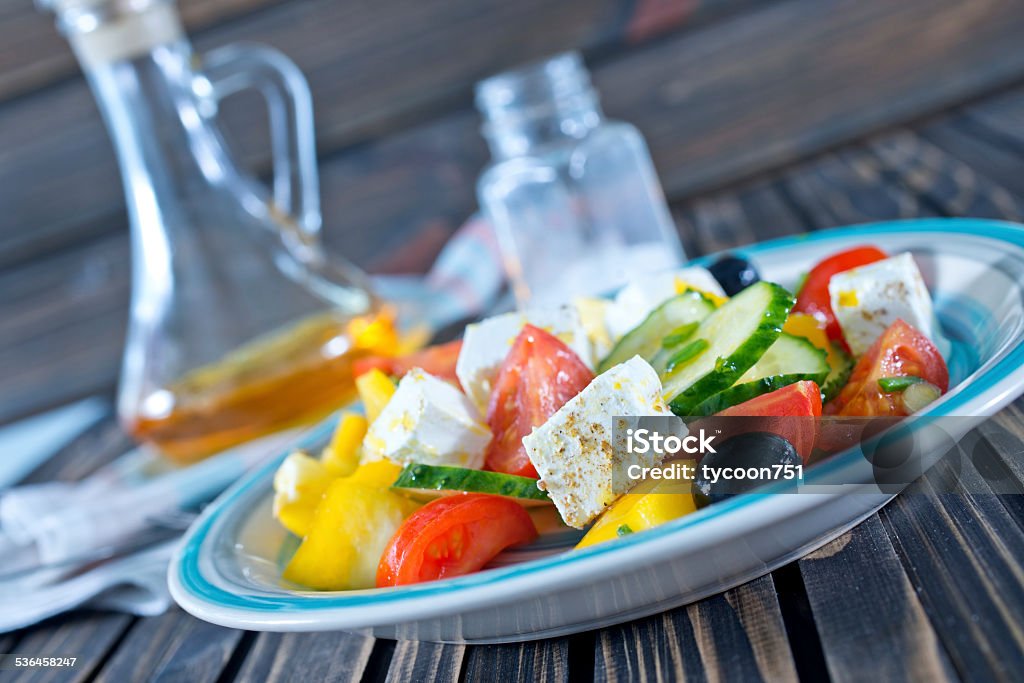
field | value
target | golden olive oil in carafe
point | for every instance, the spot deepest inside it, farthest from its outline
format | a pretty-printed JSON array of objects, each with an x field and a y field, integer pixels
[{"x": 285, "y": 379}]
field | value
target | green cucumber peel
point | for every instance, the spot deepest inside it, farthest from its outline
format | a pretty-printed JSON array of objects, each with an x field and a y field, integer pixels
[
  {"x": 758, "y": 314},
  {"x": 838, "y": 375},
  {"x": 741, "y": 393},
  {"x": 645, "y": 340},
  {"x": 418, "y": 477}
]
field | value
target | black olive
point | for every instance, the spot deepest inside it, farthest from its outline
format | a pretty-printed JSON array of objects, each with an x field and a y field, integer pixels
[
  {"x": 749, "y": 451},
  {"x": 734, "y": 273}
]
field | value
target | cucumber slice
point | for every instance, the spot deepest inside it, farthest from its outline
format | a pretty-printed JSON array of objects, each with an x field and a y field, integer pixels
[
  {"x": 426, "y": 482},
  {"x": 738, "y": 334},
  {"x": 840, "y": 366},
  {"x": 644, "y": 340},
  {"x": 789, "y": 355},
  {"x": 790, "y": 359}
]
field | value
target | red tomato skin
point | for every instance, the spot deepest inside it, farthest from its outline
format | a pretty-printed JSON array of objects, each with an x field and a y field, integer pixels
[
  {"x": 814, "y": 298},
  {"x": 452, "y": 536},
  {"x": 900, "y": 351},
  {"x": 799, "y": 407},
  {"x": 438, "y": 360},
  {"x": 540, "y": 374}
]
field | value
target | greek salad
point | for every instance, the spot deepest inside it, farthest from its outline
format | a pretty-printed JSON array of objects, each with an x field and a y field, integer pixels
[{"x": 462, "y": 449}]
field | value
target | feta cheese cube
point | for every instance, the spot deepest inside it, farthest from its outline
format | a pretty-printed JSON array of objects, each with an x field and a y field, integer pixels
[
  {"x": 579, "y": 466},
  {"x": 866, "y": 300},
  {"x": 641, "y": 296},
  {"x": 486, "y": 343},
  {"x": 428, "y": 421}
]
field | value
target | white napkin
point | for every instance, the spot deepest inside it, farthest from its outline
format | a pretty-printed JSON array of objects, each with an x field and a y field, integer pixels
[{"x": 60, "y": 521}]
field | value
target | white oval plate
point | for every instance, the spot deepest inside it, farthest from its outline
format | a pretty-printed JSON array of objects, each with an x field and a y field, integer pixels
[{"x": 228, "y": 568}]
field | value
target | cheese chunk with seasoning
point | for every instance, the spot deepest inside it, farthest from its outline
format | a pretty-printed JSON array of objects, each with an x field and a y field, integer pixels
[
  {"x": 579, "y": 466},
  {"x": 868, "y": 299},
  {"x": 636, "y": 300},
  {"x": 428, "y": 421},
  {"x": 487, "y": 342}
]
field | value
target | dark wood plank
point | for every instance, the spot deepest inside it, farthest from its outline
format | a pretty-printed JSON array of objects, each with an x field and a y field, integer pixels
[
  {"x": 174, "y": 646},
  {"x": 847, "y": 188},
  {"x": 741, "y": 634},
  {"x": 962, "y": 550},
  {"x": 751, "y": 212},
  {"x": 1002, "y": 115},
  {"x": 364, "y": 88},
  {"x": 296, "y": 657},
  {"x": 33, "y": 55},
  {"x": 87, "y": 635},
  {"x": 963, "y": 138},
  {"x": 948, "y": 183},
  {"x": 420, "y": 661},
  {"x": 51, "y": 302},
  {"x": 737, "y": 635},
  {"x": 545, "y": 660},
  {"x": 871, "y": 623},
  {"x": 1005, "y": 431},
  {"x": 708, "y": 132},
  {"x": 661, "y": 647},
  {"x": 709, "y": 118}
]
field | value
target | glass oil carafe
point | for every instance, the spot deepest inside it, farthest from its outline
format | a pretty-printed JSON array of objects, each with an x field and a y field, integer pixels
[{"x": 240, "y": 324}]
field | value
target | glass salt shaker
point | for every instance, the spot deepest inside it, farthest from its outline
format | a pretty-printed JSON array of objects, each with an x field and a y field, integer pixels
[{"x": 573, "y": 197}]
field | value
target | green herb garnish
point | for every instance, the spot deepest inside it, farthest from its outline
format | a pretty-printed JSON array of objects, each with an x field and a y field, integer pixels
[
  {"x": 679, "y": 335},
  {"x": 686, "y": 354},
  {"x": 892, "y": 385},
  {"x": 623, "y": 530}
]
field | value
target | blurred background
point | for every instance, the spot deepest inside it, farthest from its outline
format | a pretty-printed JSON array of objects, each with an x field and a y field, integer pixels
[{"x": 756, "y": 101}]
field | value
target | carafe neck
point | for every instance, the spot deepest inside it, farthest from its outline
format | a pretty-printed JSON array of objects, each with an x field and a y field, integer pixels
[{"x": 151, "y": 100}]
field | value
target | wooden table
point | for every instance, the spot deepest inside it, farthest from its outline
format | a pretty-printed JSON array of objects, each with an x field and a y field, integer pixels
[
  {"x": 930, "y": 588},
  {"x": 929, "y": 121}
]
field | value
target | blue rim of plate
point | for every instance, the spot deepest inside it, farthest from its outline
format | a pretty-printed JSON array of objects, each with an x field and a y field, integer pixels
[{"x": 185, "y": 565}]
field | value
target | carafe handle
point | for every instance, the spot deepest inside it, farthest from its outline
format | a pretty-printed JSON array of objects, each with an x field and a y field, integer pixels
[{"x": 244, "y": 66}]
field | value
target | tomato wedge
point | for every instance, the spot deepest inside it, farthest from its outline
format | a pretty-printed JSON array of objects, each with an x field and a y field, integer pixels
[
  {"x": 539, "y": 375},
  {"x": 452, "y": 536},
  {"x": 796, "y": 407},
  {"x": 901, "y": 351},
  {"x": 814, "y": 298},
  {"x": 438, "y": 360}
]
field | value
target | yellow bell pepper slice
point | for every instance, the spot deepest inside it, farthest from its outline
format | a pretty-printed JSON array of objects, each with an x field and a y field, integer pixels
[
  {"x": 341, "y": 456},
  {"x": 808, "y": 327},
  {"x": 682, "y": 286},
  {"x": 380, "y": 473},
  {"x": 299, "y": 485},
  {"x": 352, "y": 526},
  {"x": 375, "y": 390},
  {"x": 650, "y": 503},
  {"x": 592, "y": 313}
]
